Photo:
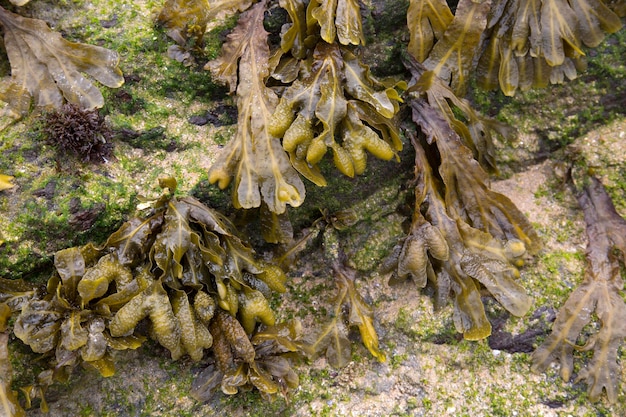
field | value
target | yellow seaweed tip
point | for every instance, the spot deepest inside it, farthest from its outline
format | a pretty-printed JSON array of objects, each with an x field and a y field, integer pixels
[
  {"x": 220, "y": 176},
  {"x": 5, "y": 182}
]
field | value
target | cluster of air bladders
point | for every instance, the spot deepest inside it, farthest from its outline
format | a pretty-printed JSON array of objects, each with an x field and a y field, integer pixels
[{"x": 181, "y": 276}]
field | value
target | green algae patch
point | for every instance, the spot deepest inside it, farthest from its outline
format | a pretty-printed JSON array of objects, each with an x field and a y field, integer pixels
[
  {"x": 60, "y": 202},
  {"x": 52, "y": 210}
]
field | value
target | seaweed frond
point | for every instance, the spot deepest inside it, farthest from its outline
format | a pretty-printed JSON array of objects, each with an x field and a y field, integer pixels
[
  {"x": 6, "y": 182},
  {"x": 349, "y": 308},
  {"x": 48, "y": 69},
  {"x": 254, "y": 157},
  {"x": 512, "y": 45},
  {"x": 329, "y": 100},
  {"x": 336, "y": 105},
  {"x": 597, "y": 300},
  {"x": 9, "y": 405},
  {"x": 182, "y": 269},
  {"x": 536, "y": 43},
  {"x": 264, "y": 364},
  {"x": 464, "y": 236}
]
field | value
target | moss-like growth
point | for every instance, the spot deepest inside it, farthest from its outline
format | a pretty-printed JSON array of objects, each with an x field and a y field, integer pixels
[{"x": 81, "y": 133}]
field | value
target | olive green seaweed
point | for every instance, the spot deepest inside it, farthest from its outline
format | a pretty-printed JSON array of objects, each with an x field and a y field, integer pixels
[
  {"x": 47, "y": 68},
  {"x": 331, "y": 340},
  {"x": 327, "y": 86},
  {"x": 182, "y": 268},
  {"x": 5, "y": 182},
  {"x": 529, "y": 44},
  {"x": 254, "y": 157}
]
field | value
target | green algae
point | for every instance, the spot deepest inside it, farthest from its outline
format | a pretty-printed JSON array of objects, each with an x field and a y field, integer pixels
[{"x": 104, "y": 194}]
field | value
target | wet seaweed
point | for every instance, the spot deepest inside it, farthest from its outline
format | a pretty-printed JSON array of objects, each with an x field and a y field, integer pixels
[
  {"x": 182, "y": 269},
  {"x": 48, "y": 70},
  {"x": 598, "y": 299}
]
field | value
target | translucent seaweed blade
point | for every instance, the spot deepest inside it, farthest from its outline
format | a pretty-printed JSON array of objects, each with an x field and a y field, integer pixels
[
  {"x": 9, "y": 404},
  {"x": 558, "y": 22},
  {"x": 361, "y": 314},
  {"x": 255, "y": 158},
  {"x": 452, "y": 57},
  {"x": 427, "y": 21},
  {"x": 348, "y": 23},
  {"x": 597, "y": 298},
  {"x": 44, "y": 65},
  {"x": 323, "y": 12},
  {"x": 293, "y": 34},
  {"x": 594, "y": 20}
]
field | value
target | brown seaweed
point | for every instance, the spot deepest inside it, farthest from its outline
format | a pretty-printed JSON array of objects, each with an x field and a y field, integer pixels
[
  {"x": 255, "y": 158},
  {"x": 597, "y": 300},
  {"x": 6, "y": 182},
  {"x": 48, "y": 69},
  {"x": 9, "y": 406},
  {"x": 331, "y": 101},
  {"x": 510, "y": 44},
  {"x": 349, "y": 308},
  {"x": 464, "y": 236},
  {"x": 183, "y": 270},
  {"x": 265, "y": 363}
]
